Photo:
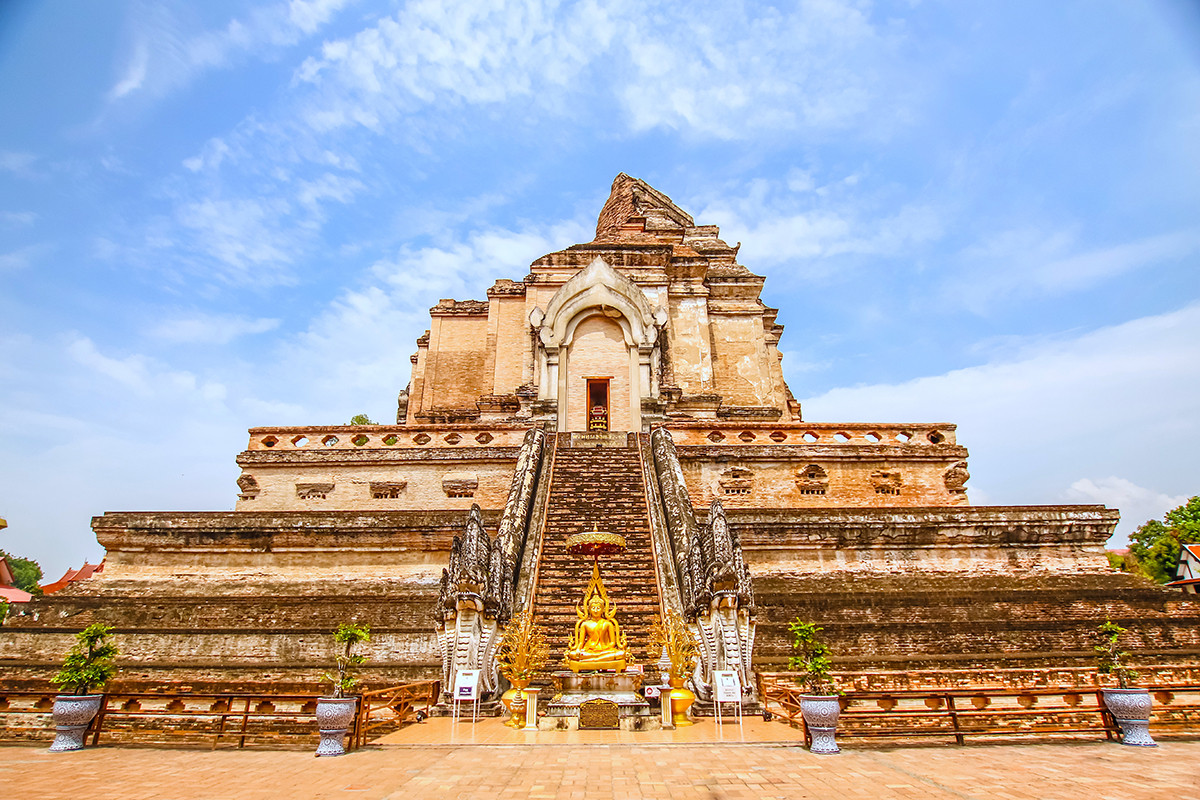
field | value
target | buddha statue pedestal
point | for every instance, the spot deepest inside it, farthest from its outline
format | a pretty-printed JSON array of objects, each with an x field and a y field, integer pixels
[{"x": 573, "y": 689}]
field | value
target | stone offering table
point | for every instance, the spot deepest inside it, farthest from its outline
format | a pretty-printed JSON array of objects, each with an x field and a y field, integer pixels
[{"x": 571, "y": 690}]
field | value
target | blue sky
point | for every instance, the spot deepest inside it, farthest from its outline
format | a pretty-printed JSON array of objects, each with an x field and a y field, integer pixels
[{"x": 220, "y": 215}]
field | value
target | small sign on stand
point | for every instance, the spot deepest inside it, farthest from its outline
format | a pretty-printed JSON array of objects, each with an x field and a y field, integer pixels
[
  {"x": 466, "y": 690},
  {"x": 728, "y": 689}
]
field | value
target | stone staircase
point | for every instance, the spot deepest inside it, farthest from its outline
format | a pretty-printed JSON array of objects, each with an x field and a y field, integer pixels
[{"x": 597, "y": 488}]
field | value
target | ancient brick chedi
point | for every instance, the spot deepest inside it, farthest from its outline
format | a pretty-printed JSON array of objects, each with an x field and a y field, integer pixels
[{"x": 632, "y": 384}]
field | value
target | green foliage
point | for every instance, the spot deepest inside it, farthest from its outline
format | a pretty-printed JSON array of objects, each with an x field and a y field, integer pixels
[
  {"x": 361, "y": 419},
  {"x": 91, "y": 662},
  {"x": 1156, "y": 545},
  {"x": 811, "y": 658},
  {"x": 1110, "y": 657},
  {"x": 348, "y": 662},
  {"x": 3, "y": 611},
  {"x": 27, "y": 574}
]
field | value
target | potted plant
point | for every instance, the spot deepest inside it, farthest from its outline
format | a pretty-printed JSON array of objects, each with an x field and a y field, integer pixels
[
  {"x": 1129, "y": 706},
  {"x": 822, "y": 705},
  {"x": 676, "y": 641},
  {"x": 90, "y": 664},
  {"x": 336, "y": 712},
  {"x": 523, "y": 652}
]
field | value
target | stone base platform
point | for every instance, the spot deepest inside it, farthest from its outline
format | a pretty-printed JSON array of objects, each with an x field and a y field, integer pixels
[{"x": 573, "y": 690}]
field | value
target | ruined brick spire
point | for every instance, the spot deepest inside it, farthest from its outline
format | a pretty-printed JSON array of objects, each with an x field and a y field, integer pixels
[{"x": 635, "y": 208}]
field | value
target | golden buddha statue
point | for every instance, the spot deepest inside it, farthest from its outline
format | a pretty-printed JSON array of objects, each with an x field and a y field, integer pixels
[{"x": 597, "y": 642}]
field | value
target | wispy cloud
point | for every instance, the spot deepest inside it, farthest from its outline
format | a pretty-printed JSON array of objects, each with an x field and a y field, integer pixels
[
  {"x": 18, "y": 163},
  {"x": 1137, "y": 503},
  {"x": 199, "y": 328},
  {"x": 23, "y": 257},
  {"x": 1030, "y": 262},
  {"x": 166, "y": 54},
  {"x": 17, "y": 219}
]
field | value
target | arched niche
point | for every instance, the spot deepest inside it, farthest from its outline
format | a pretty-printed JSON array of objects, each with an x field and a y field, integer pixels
[{"x": 595, "y": 293}]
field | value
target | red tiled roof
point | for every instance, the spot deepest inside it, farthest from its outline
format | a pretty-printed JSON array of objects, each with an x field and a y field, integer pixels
[
  {"x": 14, "y": 595},
  {"x": 1194, "y": 549},
  {"x": 71, "y": 576},
  {"x": 1184, "y": 582}
]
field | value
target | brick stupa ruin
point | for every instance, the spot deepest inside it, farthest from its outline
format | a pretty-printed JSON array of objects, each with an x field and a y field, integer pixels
[{"x": 634, "y": 384}]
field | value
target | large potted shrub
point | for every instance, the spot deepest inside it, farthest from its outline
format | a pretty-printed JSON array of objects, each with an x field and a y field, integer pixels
[
  {"x": 675, "y": 640},
  {"x": 336, "y": 712},
  {"x": 1129, "y": 705},
  {"x": 90, "y": 664},
  {"x": 822, "y": 705}
]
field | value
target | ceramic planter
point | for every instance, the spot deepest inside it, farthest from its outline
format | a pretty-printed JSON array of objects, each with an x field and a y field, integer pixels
[
  {"x": 334, "y": 716},
  {"x": 820, "y": 717},
  {"x": 71, "y": 715},
  {"x": 1131, "y": 709}
]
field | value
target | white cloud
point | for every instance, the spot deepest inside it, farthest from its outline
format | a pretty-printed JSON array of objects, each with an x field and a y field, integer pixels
[
  {"x": 799, "y": 224},
  {"x": 17, "y": 219},
  {"x": 1137, "y": 503},
  {"x": 23, "y": 257},
  {"x": 18, "y": 163},
  {"x": 166, "y": 52},
  {"x": 1030, "y": 262},
  {"x": 135, "y": 74},
  {"x": 1120, "y": 401},
  {"x": 210, "y": 328}
]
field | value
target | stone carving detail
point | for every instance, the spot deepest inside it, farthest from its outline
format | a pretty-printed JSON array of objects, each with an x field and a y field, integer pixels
[
  {"x": 387, "y": 490},
  {"x": 460, "y": 484},
  {"x": 736, "y": 480},
  {"x": 475, "y": 591},
  {"x": 813, "y": 479},
  {"x": 402, "y": 405},
  {"x": 248, "y": 487},
  {"x": 886, "y": 482},
  {"x": 724, "y": 602},
  {"x": 313, "y": 491},
  {"x": 715, "y": 585},
  {"x": 956, "y": 478},
  {"x": 476, "y": 595}
]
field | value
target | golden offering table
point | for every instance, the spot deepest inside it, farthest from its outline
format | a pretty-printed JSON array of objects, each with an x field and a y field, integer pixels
[{"x": 621, "y": 705}]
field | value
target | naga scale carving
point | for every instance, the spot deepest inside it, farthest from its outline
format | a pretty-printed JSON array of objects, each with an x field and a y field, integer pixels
[{"x": 476, "y": 593}]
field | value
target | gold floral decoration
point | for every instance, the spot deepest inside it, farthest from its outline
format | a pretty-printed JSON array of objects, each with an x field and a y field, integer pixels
[
  {"x": 523, "y": 648},
  {"x": 674, "y": 636}
]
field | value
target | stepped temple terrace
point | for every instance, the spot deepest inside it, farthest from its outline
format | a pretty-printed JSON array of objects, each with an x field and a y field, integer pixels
[{"x": 606, "y": 442}]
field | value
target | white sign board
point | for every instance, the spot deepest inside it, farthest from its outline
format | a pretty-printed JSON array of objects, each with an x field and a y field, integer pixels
[
  {"x": 466, "y": 684},
  {"x": 729, "y": 686}
]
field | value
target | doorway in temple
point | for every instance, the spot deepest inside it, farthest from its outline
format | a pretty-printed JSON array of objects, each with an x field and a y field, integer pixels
[{"x": 597, "y": 404}]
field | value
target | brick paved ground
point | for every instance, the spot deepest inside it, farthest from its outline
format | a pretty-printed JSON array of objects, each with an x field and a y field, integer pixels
[{"x": 1092, "y": 770}]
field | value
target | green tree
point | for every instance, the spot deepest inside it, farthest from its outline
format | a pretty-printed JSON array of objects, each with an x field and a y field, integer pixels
[
  {"x": 361, "y": 419},
  {"x": 811, "y": 657},
  {"x": 27, "y": 574},
  {"x": 348, "y": 662},
  {"x": 91, "y": 662},
  {"x": 1156, "y": 545}
]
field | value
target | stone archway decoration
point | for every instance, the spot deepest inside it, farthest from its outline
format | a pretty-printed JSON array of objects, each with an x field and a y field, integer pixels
[{"x": 598, "y": 289}]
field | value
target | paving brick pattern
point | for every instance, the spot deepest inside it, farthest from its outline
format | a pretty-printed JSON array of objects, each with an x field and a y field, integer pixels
[
  {"x": 598, "y": 488},
  {"x": 581, "y": 772}
]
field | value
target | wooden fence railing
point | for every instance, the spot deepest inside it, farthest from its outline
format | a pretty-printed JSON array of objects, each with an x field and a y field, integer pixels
[
  {"x": 392, "y": 707},
  {"x": 259, "y": 717},
  {"x": 981, "y": 711}
]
